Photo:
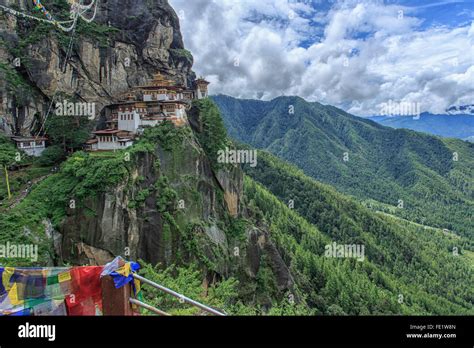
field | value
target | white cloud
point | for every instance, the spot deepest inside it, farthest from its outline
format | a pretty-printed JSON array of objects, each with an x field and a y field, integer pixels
[{"x": 354, "y": 55}]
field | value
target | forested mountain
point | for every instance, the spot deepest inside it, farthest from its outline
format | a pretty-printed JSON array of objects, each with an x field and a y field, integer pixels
[
  {"x": 405, "y": 261},
  {"x": 280, "y": 267},
  {"x": 453, "y": 126},
  {"x": 413, "y": 175}
]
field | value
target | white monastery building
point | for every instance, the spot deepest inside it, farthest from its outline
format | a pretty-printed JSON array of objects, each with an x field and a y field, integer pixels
[
  {"x": 33, "y": 146},
  {"x": 146, "y": 106}
]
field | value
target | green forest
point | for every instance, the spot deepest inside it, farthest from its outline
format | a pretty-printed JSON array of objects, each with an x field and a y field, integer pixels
[
  {"x": 419, "y": 177},
  {"x": 409, "y": 268},
  {"x": 403, "y": 258}
]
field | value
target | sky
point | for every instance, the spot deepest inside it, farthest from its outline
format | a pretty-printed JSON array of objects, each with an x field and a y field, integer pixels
[{"x": 354, "y": 54}]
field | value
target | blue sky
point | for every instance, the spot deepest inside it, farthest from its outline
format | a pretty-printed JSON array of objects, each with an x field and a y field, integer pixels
[
  {"x": 450, "y": 13},
  {"x": 354, "y": 54}
]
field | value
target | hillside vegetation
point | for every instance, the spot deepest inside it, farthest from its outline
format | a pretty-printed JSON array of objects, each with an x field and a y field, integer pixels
[
  {"x": 282, "y": 268},
  {"x": 402, "y": 258},
  {"x": 422, "y": 178}
]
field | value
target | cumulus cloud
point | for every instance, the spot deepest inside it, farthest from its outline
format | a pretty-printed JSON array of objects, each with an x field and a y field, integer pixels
[{"x": 353, "y": 54}]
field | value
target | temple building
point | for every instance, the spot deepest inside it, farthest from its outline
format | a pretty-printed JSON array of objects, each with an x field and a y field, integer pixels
[
  {"x": 109, "y": 139},
  {"x": 201, "y": 88},
  {"x": 146, "y": 106},
  {"x": 33, "y": 146}
]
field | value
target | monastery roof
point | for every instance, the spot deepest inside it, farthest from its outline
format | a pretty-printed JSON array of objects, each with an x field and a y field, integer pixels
[
  {"x": 171, "y": 88},
  {"x": 173, "y": 102},
  {"x": 107, "y": 131},
  {"x": 160, "y": 81},
  {"x": 202, "y": 80},
  {"x": 29, "y": 138}
]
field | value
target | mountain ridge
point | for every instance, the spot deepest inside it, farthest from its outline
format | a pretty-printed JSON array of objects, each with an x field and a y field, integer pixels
[
  {"x": 459, "y": 126},
  {"x": 362, "y": 158}
]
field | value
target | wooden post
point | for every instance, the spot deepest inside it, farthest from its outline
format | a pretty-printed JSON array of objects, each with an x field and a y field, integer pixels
[
  {"x": 8, "y": 183},
  {"x": 115, "y": 301}
]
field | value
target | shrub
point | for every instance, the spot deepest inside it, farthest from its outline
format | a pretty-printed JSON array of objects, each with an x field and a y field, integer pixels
[{"x": 52, "y": 155}]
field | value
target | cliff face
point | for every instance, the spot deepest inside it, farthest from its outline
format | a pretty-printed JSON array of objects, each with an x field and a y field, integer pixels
[
  {"x": 123, "y": 47},
  {"x": 175, "y": 208}
]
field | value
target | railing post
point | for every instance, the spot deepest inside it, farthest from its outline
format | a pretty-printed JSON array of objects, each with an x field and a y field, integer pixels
[{"x": 115, "y": 301}]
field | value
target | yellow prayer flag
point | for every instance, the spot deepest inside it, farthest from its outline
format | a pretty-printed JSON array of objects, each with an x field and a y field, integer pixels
[
  {"x": 13, "y": 296},
  {"x": 64, "y": 277}
]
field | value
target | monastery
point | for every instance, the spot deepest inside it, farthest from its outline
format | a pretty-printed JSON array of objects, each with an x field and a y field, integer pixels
[
  {"x": 145, "y": 106},
  {"x": 33, "y": 146}
]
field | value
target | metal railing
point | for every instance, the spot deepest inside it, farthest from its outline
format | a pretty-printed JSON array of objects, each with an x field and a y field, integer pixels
[{"x": 172, "y": 293}]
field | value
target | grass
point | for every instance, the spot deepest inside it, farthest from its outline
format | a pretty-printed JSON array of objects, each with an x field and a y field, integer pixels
[{"x": 19, "y": 179}]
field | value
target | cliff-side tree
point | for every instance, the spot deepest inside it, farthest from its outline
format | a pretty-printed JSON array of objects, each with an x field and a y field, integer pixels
[
  {"x": 213, "y": 135},
  {"x": 7, "y": 158}
]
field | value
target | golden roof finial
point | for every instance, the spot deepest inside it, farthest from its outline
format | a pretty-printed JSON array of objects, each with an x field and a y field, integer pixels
[{"x": 160, "y": 80}]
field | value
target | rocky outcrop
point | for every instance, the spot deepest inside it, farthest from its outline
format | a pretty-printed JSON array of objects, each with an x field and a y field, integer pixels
[
  {"x": 203, "y": 230},
  {"x": 174, "y": 207},
  {"x": 127, "y": 43}
]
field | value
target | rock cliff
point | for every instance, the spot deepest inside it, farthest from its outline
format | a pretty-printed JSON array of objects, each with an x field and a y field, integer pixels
[
  {"x": 124, "y": 46},
  {"x": 174, "y": 206}
]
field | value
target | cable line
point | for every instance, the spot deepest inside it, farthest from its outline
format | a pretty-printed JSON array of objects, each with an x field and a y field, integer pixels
[{"x": 77, "y": 10}]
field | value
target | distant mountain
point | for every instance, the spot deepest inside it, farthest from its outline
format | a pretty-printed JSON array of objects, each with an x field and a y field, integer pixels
[
  {"x": 459, "y": 126},
  {"x": 416, "y": 176},
  {"x": 461, "y": 110}
]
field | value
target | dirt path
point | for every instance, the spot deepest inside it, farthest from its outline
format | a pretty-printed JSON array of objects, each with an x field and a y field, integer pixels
[{"x": 26, "y": 191}]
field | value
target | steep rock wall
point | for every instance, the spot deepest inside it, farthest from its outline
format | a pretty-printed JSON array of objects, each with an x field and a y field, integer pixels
[
  {"x": 113, "y": 223},
  {"x": 126, "y": 44}
]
